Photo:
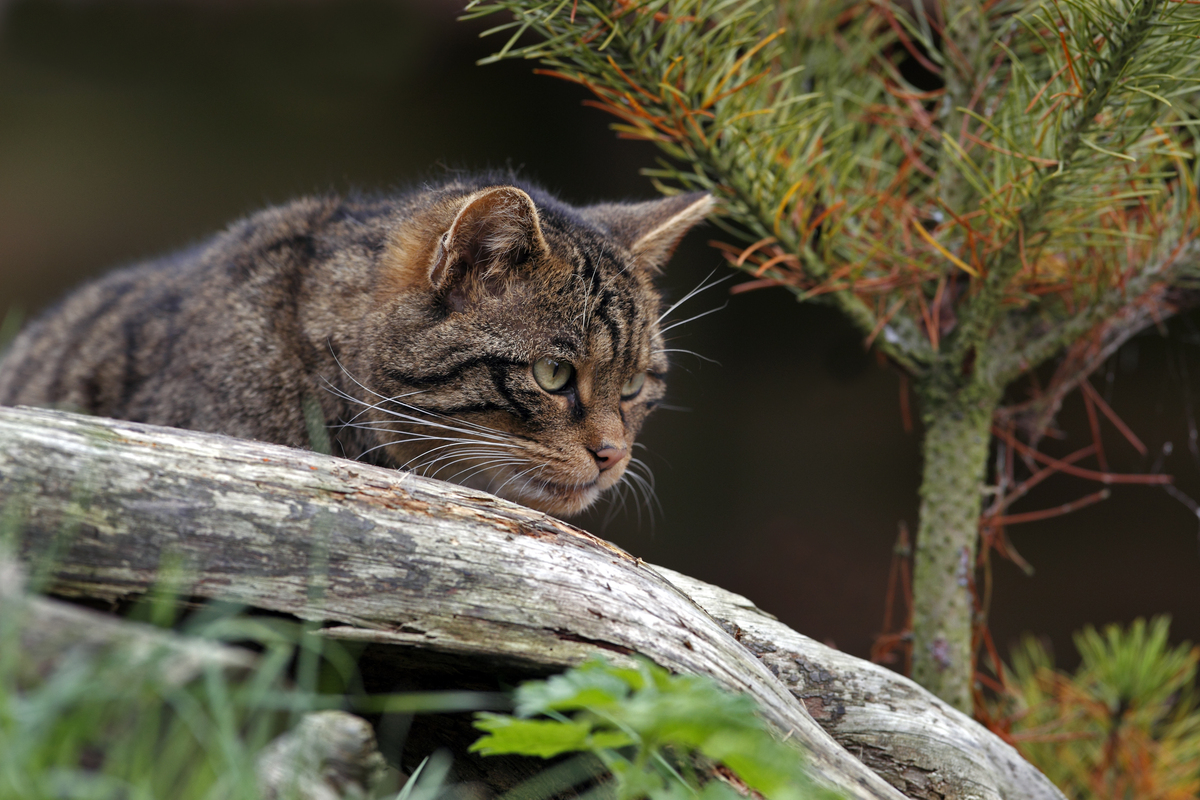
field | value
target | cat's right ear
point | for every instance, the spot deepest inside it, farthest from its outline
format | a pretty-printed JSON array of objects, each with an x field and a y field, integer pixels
[
  {"x": 651, "y": 230},
  {"x": 494, "y": 230}
]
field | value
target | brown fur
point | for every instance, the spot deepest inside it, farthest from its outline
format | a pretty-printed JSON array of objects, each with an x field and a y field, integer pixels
[{"x": 412, "y": 321}]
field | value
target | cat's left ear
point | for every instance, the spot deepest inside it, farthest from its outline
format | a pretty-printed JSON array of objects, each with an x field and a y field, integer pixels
[
  {"x": 494, "y": 228},
  {"x": 653, "y": 229}
]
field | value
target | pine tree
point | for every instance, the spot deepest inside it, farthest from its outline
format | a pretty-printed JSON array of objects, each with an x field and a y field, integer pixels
[{"x": 980, "y": 187}]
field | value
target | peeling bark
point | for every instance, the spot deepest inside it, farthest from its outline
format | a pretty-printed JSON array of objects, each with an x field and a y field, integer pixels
[{"x": 429, "y": 573}]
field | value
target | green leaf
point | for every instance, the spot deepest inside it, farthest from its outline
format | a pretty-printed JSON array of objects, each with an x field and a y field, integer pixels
[
  {"x": 545, "y": 738},
  {"x": 595, "y": 684},
  {"x": 609, "y": 740},
  {"x": 643, "y": 723}
]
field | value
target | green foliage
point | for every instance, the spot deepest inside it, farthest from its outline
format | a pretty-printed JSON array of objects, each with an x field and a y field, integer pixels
[
  {"x": 646, "y": 725},
  {"x": 121, "y": 725},
  {"x": 1042, "y": 150},
  {"x": 1126, "y": 724},
  {"x": 107, "y": 727},
  {"x": 979, "y": 187}
]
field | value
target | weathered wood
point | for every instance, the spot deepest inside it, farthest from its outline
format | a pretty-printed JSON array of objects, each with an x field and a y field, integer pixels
[
  {"x": 49, "y": 631},
  {"x": 922, "y": 745},
  {"x": 330, "y": 755},
  {"x": 397, "y": 560}
]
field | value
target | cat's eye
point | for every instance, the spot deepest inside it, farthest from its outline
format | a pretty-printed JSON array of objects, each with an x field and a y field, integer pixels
[
  {"x": 633, "y": 385},
  {"x": 552, "y": 375}
]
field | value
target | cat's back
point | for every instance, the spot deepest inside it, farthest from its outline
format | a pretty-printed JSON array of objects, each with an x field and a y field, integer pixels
[{"x": 197, "y": 339}]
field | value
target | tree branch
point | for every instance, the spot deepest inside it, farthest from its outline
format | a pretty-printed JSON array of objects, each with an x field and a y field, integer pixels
[{"x": 427, "y": 571}]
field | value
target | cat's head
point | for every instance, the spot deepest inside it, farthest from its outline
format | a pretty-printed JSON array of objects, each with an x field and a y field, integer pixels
[{"x": 522, "y": 349}]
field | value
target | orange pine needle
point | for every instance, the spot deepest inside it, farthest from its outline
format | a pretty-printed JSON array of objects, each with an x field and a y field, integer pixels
[
  {"x": 812, "y": 226},
  {"x": 1058, "y": 511},
  {"x": 958, "y": 262},
  {"x": 766, "y": 265},
  {"x": 1041, "y": 162},
  {"x": 761, "y": 283},
  {"x": 1094, "y": 423},
  {"x": 737, "y": 65},
  {"x": 632, "y": 82},
  {"x": 1089, "y": 474},
  {"x": 738, "y": 88},
  {"x": 1090, "y": 392},
  {"x": 741, "y": 259},
  {"x": 1070, "y": 61},
  {"x": 930, "y": 328},
  {"x": 883, "y": 321}
]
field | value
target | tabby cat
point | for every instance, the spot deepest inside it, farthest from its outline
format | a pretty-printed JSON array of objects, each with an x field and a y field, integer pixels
[{"x": 479, "y": 330}]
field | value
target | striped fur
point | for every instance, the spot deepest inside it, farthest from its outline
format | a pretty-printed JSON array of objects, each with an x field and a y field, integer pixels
[{"x": 412, "y": 323}]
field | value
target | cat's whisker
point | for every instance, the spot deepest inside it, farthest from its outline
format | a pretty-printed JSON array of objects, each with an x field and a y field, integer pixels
[
  {"x": 641, "y": 500},
  {"x": 626, "y": 489},
  {"x": 347, "y": 396},
  {"x": 484, "y": 429},
  {"x": 517, "y": 476},
  {"x": 499, "y": 437},
  {"x": 395, "y": 399},
  {"x": 646, "y": 484},
  {"x": 473, "y": 467},
  {"x": 674, "y": 325},
  {"x": 471, "y": 472},
  {"x": 413, "y": 436},
  {"x": 690, "y": 353},
  {"x": 450, "y": 442},
  {"x": 535, "y": 468},
  {"x": 637, "y": 463},
  {"x": 702, "y": 286},
  {"x": 459, "y": 457},
  {"x": 617, "y": 504}
]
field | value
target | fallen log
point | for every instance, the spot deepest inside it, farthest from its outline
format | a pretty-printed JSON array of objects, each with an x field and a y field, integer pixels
[{"x": 430, "y": 573}]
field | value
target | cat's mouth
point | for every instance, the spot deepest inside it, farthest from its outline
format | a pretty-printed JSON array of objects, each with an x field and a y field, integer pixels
[
  {"x": 557, "y": 497},
  {"x": 560, "y": 499}
]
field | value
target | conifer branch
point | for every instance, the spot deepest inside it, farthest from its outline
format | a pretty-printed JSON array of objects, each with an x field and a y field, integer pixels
[
  {"x": 980, "y": 314},
  {"x": 979, "y": 188}
]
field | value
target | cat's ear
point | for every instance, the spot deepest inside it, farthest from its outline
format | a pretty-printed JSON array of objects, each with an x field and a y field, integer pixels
[
  {"x": 651, "y": 230},
  {"x": 494, "y": 229}
]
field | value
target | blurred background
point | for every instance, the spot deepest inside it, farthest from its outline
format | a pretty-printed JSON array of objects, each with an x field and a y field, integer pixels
[{"x": 131, "y": 128}]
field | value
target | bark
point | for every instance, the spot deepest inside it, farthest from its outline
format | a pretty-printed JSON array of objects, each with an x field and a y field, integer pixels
[
  {"x": 922, "y": 745},
  {"x": 440, "y": 578},
  {"x": 49, "y": 631},
  {"x": 330, "y": 755},
  {"x": 957, "y": 433}
]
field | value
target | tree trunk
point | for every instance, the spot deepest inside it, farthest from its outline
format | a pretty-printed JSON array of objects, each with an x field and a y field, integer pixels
[
  {"x": 435, "y": 579},
  {"x": 957, "y": 433}
]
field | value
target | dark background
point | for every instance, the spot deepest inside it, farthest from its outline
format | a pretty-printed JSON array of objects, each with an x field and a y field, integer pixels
[{"x": 130, "y": 128}]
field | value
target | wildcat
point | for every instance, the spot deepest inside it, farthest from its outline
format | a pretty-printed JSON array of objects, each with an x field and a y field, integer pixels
[{"x": 479, "y": 330}]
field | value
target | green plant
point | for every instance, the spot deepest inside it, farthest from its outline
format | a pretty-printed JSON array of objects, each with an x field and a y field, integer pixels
[
  {"x": 96, "y": 727},
  {"x": 981, "y": 187},
  {"x": 646, "y": 727},
  {"x": 1126, "y": 724},
  {"x": 119, "y": 722}
]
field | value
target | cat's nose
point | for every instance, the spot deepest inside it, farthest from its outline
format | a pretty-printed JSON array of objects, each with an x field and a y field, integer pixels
[{"x": 609, "y": 456}]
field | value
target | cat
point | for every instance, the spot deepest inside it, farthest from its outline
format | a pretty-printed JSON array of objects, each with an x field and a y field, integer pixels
[{"x": 479, "y": 330}]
